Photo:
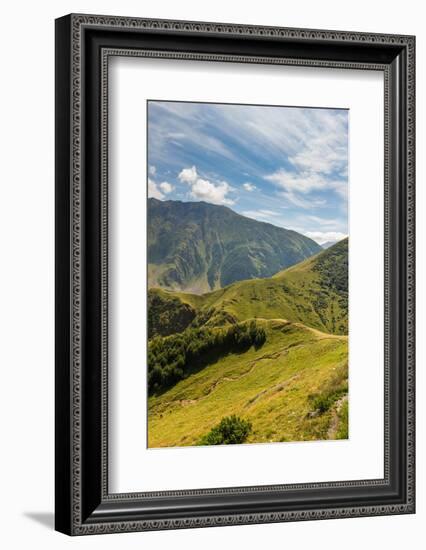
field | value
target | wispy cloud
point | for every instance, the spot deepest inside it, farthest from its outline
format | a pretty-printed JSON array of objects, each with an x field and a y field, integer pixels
[
  {"x": 176, "y": 135},
  {"x": 261, "y": 214},
  {"x": 305, "y": 203},
  {"x": 301, "y": 182},
  {"x": 309, "y": 139},
  {"x": 171, "y": 123},
  {"x": 326, "y": 222},
  {"x": 258, "y": 157},
  {"x": 316, "y": 168}
]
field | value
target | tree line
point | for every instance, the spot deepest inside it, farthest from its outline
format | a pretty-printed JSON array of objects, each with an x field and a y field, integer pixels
[{"x": 171, "y": 358}]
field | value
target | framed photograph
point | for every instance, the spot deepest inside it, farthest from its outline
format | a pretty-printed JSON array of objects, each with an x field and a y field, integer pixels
[{"x": 234, "y": 274}]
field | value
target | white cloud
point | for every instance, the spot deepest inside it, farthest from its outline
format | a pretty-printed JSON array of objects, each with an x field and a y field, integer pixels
[
  {"x": 303, "y": 182},
  {"x": 324, "y": 154},
  {"x": 152, "y": 170},
  {"x": 297, "y": 183},
  {"x": 166, "y": 187},
  {"x": 210, "y": 192},
  {"x": 301, "y": 152},
  {"x": 322, "y": 237},
  {"x": 205, "y": 190},
  {"x": 268, "y": 212},
  {"x": 312, "y": 141},
  {"x": 176, "y": 135},
  {"x": 188, "y": 175},
  {"x": 297, "y": 200},
  {"x": 318, "y": 158},
  {"x": 324, "y": 222},
  {"x": 153, "y": 191},
  {"x": 158, "y": 191}
]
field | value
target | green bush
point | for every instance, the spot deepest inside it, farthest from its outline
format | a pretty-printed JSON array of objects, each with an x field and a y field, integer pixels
[
  {"x": 322, "y": 403},
  {"x": 171, "y": 358},
  {"x": 330, "y": 392},
  {"x": 167, "y": 314},
  {"x": 230, "y": 431}
]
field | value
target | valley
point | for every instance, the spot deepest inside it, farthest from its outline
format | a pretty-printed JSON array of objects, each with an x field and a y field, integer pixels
[
  {"x": 271, "y": 351},
  {"x": 198, "y": 247}
]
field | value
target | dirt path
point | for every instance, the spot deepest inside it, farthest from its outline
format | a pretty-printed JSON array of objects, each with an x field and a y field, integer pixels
[
  {"x": 272, "y": 390},
  {"x": 252, "y": 365},
  {"x": 318, "y": 333},
  {"x": 323, "y": 335},
  {"x": 334, "y": 424}
]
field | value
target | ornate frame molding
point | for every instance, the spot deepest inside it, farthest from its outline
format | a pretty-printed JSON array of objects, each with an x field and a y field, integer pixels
[{"x": 73, "y": 517}]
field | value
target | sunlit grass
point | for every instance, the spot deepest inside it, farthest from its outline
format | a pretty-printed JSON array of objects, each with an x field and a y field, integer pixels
[{"x": 269, "y": 387}]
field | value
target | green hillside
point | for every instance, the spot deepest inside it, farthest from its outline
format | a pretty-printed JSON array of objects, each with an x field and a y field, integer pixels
[
  {"x": 199, "y": 247},
  {"x": 167, "y": 314},
  {"x": 269, "y": 356},
  {"x": 313, "y": 292},
  {"x": 292, "y": 388}
]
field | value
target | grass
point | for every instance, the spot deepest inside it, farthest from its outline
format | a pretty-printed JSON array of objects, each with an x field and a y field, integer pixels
[
  {"x": 269, "y": 387},
  {"x": 302, "y": 293},
  {"x": 200, "y": 247},
  {"x": 231, "y": 430},
  {"x": 343, "y": 415},
  {"x": 293, "y": 388},
  {"x": 331, "y": 391}
]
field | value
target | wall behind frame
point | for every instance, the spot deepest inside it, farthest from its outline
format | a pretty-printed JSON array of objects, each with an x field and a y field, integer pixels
[{"x": 26, "y": 289}]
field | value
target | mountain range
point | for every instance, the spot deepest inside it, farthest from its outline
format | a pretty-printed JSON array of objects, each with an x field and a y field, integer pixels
[
  {"x": 246, "y": 321},
  {"x": 313, "y": 292},
  {"x": 198, "y": 247}
]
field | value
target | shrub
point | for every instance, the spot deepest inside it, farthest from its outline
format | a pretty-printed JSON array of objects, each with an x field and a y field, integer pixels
[
  {"x": 334, "y": 389},
  {"x": 230, "y": 431},
  {"x": 322, "y": 402},
  {"x": 167, "y": 314},
  {"x": 171, "y": 358}
]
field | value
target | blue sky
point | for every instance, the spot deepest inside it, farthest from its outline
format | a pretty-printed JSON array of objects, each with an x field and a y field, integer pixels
[{"x": 284, "y": 165}]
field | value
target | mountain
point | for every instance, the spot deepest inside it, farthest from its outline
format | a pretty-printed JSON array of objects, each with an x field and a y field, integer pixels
[
  {"x": 328, "y": 244},
  {"x": 199, "y": 247},
  {"x": 272, "y": 352},
  {"x": 313, "y": 292}
]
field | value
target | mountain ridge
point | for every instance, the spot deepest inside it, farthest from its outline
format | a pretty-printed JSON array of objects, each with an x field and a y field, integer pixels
[
  {"x": 328, "y": 244},
  {"x": 200, "y": 247},
  {"x": 313, "y": 292},
  {"x": 272, "y": 351}
]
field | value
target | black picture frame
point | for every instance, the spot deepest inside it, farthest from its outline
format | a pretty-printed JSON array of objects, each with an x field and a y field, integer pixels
[{"x": 83, "y": 45}]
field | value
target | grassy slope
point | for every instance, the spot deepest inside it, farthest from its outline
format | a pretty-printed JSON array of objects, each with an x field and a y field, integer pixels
[
  {"x": 301, "y": 293},
  {"x": 304, "y": 311},
  {"x": 270, "y": 387}
]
